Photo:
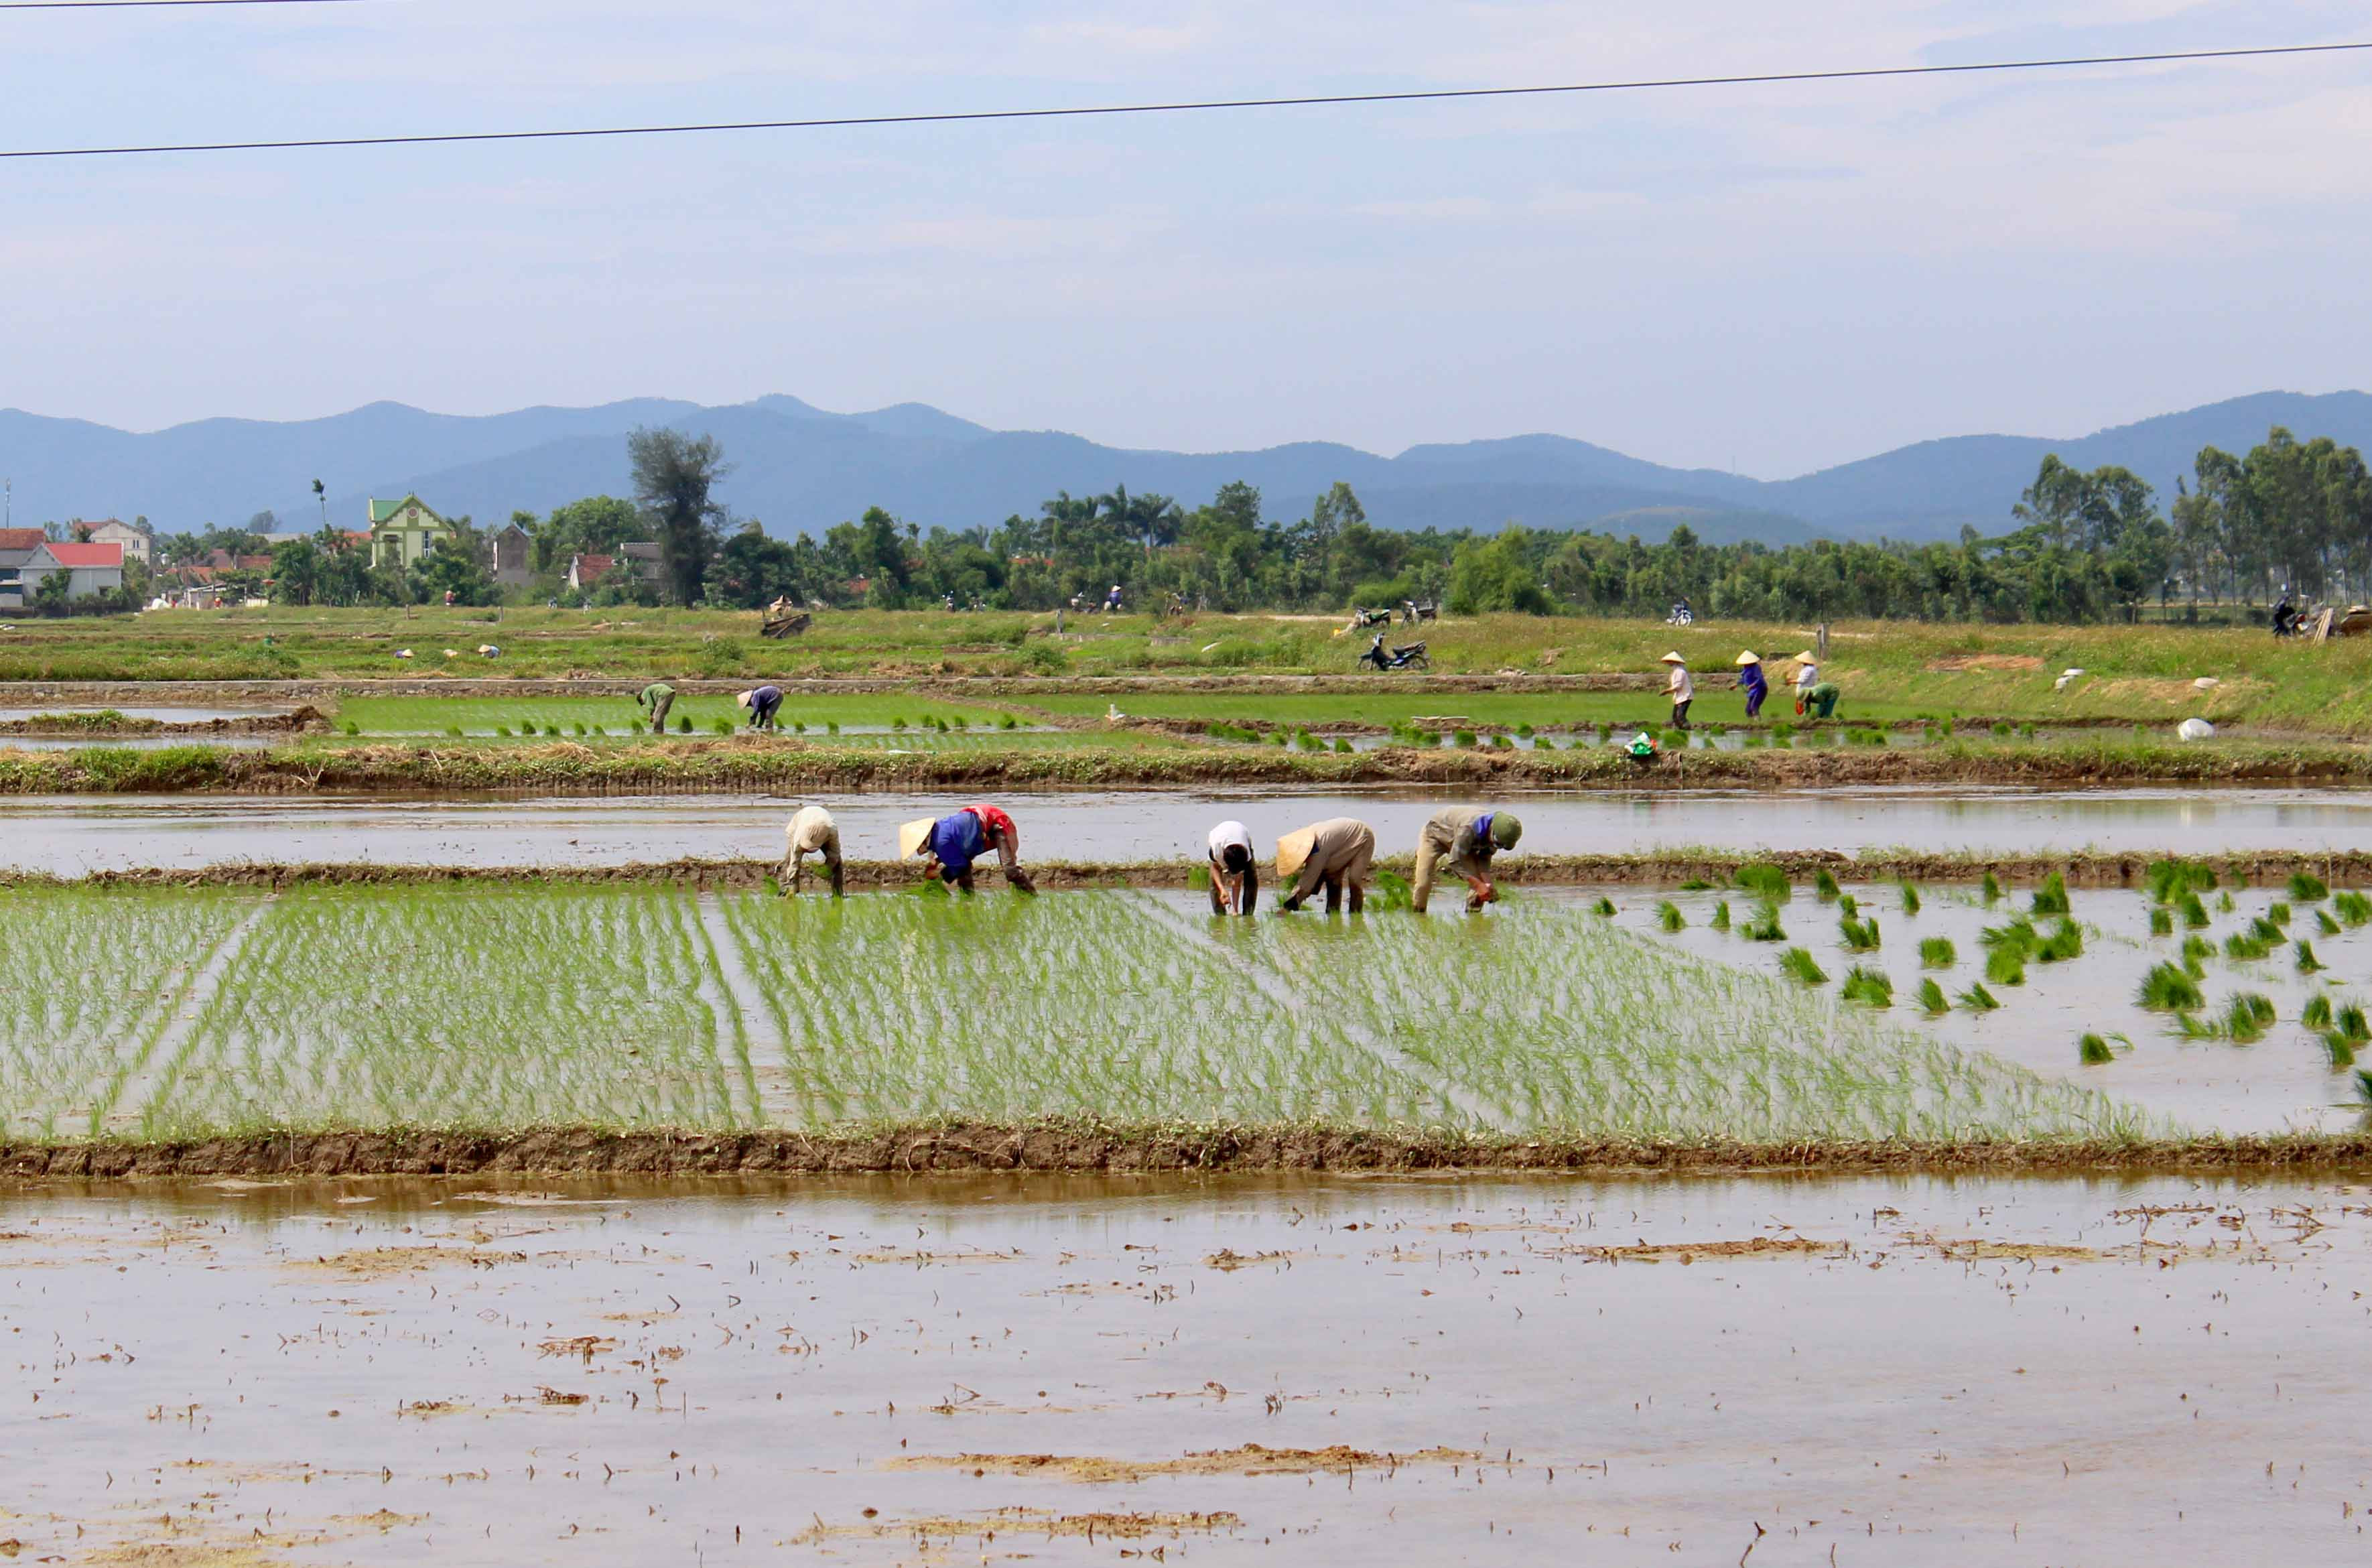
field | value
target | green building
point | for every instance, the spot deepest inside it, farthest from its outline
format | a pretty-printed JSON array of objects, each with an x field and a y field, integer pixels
[{"x": 403, "y": 531}]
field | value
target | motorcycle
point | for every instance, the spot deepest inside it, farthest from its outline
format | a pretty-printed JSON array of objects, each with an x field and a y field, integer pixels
[
  {"x": 1363, "y": 618},
  {"x": 1411, "y": 656},
  {"x": 1681, "y": 615},
  {"x": 1415, "y": 612}
]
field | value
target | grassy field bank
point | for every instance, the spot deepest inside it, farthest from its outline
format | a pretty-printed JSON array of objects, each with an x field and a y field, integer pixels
[
  {"x": 989, "y": 759},
  {"x": 1885, "y": 668}
]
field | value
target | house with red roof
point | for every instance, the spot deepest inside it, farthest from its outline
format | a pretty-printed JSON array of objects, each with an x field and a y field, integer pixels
[
  {"x": 586, "y": 571},
  {"x": 89, "y": 568}
]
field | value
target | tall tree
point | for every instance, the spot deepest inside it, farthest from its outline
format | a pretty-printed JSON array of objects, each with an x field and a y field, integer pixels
[{"x": 673, "y": 476}]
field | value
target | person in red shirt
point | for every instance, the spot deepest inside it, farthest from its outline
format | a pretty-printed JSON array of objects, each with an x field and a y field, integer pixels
[{"x": 957, "y": 841}]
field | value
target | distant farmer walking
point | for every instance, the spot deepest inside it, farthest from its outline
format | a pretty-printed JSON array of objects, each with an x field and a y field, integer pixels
[
  {"x": 1683, "y": 690},
  {"x": 656, "y": 700},
  {"x": 812, "y": 831},
  {"x": 763, "y": 703},
  {"x": 1750, "y": 680},
  {"x": 1235, "y": 874},
  {"x": 950, "y": 844},
  {"x": 1463, "y": 839},
  {"x": 1335, "y": 855}
]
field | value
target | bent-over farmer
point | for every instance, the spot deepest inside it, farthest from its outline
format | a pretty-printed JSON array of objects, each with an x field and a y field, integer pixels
[
  {"x": 1235, "y": 874},
  {"x": 950, "y": 844},
  {"x": 1335, "y": 855},
  {"x": 762, "y": 702},
  {"x": 656, "y": 700},
  {"x": 812, "y": 831},
  {"x": 1463, "y": 839}
]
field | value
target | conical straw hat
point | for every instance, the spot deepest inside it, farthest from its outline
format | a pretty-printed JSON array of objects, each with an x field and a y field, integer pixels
[
  {"x": 1671, "y": 658},
  {"x": 1293, "y": 850},
  {"x": 1748, "y": 656},
  {"x": 913, "y": 835}
]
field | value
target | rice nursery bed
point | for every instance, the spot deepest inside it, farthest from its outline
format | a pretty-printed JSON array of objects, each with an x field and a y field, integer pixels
[{"x": 525, "y": 1005}]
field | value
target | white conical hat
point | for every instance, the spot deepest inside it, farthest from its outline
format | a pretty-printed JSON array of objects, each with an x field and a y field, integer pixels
[
  {"x": 1748, "y": 656},
  {"x": 913, "y": 835},
  {"x": 1671, "y": 658},
  {"x": 1293, "y": 850},
  {"x": 1806, "y": 657}
]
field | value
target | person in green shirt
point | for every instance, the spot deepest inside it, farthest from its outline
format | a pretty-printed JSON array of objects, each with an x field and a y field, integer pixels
[{"x": 656, "y": 700}]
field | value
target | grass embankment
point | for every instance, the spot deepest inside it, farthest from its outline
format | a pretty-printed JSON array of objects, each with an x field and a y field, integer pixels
[
  {"x": 1887, "y": 670},
  {"x": 754, "y": 764},
  {"x": 1067, "y": 1144}
]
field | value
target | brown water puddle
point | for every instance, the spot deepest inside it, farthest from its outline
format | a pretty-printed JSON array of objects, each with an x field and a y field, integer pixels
[{"x": 1867, "y": 1370}]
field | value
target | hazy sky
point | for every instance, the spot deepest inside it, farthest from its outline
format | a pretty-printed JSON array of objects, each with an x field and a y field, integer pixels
[{"x": 1770, "y": 278}]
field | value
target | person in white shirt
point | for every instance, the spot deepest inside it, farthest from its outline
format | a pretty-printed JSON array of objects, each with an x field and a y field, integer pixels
[
  {"x": 1235, "y": 874},
  {"x": 1683, "y": 690},
  {"x": 1808, "y": 673},
  {"x": 812, "y": 831}
]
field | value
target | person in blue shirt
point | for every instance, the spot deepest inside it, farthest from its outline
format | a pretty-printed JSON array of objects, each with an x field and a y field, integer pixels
[
  {"x": 1750, "y": 680},
  {"x": 952, "y": 844},
  {"x": 762, "y": 705}
]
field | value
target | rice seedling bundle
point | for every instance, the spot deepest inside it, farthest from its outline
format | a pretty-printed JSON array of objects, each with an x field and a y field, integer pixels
[
  {"x": 1720, "y": 921},
  {"x": 1667, "y": 915},
  {"x": 1868, "y": 987},
  {"x": 1765, "y": 881},
  {"x": 2170, "y": 880},
  {"x": 2248, "y": 1018},
  {"x": 1932, "y": 1000},
  {"x": 1992, "y": 888},
  {"x": 2161, "y": 921},
  {"x": 2306, "y": 962},
  {"x": 2306, "y": 888},
  {"x": 2065, "y": 942},
  {"x": 2224, "y": 903},
  {"x": 2350, "y": 1022},
  {"x": 2316, "y": 1013},
  {"x": 1798, "y": 964},
  {"x": 1910, "y": 898},
  {"x": 2005, "y": 966},
  {"x": 2167, "y": 989},
  {"x": 1764, "y": 927},
  {"x": 1859, "y": 935},
  {"x": 2196, "y": 951},
  {"x": 2353, "y": 909},
  {"x": 1848, "y": 906},
  {"x": 2194, "y": 913},
  {"x": 1937, "y": 953},
  {"x": 1825, "y": 884},
  {"x": 1977, "y": 999},
  {"x": 2094, "y": 1051},
  {"x": 2247, "y": 947},
  {"x": 2324, "y": 924},
  {"x": 2278, "y": 913},
  {"x": 2052, "y": 897},
  {"x": 1604, "y": 906}
]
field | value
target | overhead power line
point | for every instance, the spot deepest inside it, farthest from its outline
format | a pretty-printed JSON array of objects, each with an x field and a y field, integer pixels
[{"x": 1200, "y": 106}]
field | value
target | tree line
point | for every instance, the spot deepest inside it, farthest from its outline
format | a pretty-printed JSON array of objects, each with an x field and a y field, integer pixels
[{"x": 2086, "y": 546}]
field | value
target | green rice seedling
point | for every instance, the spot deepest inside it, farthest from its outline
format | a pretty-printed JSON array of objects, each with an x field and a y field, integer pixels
[
  {"x": 2167, "y": 989},
  {"x": 2324, "y": 926},
  {"x": 2196, "y": 951},
  {"x": 2065, "y": 942},
  {"x": 1868, "y": 987},
  {"x": 2278, "y": 913},
  {"x": 598, "y": 732},
  {"x": 2306, "y": 962},
  {"x": 683, "y": 724},
  {"x": 1764, "y": 927},
  {"x": 1006, "y": 721},
  {"x": 1390, "y": 894},
  {"x": 2169, "y": 879},
  {"x": 1672, "y": 740},
  {"x": 2247, "y": 1019},
  {"x": 1720, "y": 921},
  {"x": 2052, "y": 897},
  {"x": 1696, "y": 885},
  {"x": 720, "y": 726},
  {"x": 1825, "y": 884},
  {"x": 353, "y": 728},
  {"x": 2187, "y": 1026},
  {"x": 961, "y": 722},
  {"x": 1465, "y": 738},
  {"x": 1937, "y": 953},
  {"x": 2306, "y": 888},
  {"x": 1198, "y": 875},
  {"x": 2316, "y": 1013},
  {"x": 2224, "y": 904},
  {"x": 2094, "y": 1051},
  {"x": 2353, "y": 909},
  {"x": 897, "y": 721},
  {"x": 2242, "y": 948},
  {"x": 1764, "y": 880},
  {"x": 2017, "y": 933},
  {"x": 2161, "y": 921},
  {"x": 1932, "y": 1000},
  {"x": 1798, "y": 964},
  {"x": 453, "y": 732},
  {"x": 1343, "y": 745},
  {"x": 551, "y": 731},
  {"x": 2002, "y": 730},
  {"x": 1525, "y": 730},
  {"x": 799, "y": 727},
  {"x": 577, "y": 729},
  {"x": 2351, "y": 1024},
  {"x": 831, "y": 727},
  {"x": 1992, "y": 888},
  {"x": 2264, "y": 930},
  {"x": 1669, "y": 916},
  {"x": 1910, "y": 898},
  {"x": 2194, "y": 913},
  {"x": 503, "y": 730},
  {"x": 2364, "y": 1086},
  {"x": 2026, "y": 732},
  {"x": 1503, "y": 741},
  {"x": 2341, "y": 1050},
  {"x": 1603, "y": 906},
  {"x": 1859, "y": 935},
  {"x": 2005, "y": 966},
  {"x": 1849, "y": 907},
  {"x": 1605, "y": 733},
  {"x": 1309, "y": 742},
  {"x": 1977, "y": 999}
]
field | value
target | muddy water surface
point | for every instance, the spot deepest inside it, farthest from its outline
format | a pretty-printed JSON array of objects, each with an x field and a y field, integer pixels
[
  {"x": 1391, "y": 1370},
  {"x": 81, "y": 833}
]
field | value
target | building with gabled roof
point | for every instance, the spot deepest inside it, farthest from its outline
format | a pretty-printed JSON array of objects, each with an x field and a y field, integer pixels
[{"x": 403, "y": 531}]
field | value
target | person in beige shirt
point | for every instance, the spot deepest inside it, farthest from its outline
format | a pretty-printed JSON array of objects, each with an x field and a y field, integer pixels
[
  {"x": 812, "y": 831},
  {"x": 1463, "y": 839},
  {"x": 1336, "y": 855},
  {"x": 1683, "y": 690}
]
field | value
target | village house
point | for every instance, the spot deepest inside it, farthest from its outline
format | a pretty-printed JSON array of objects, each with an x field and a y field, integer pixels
[
  {"x": 514, "y": 556},
  {"x": 89, "y": 568},
  {"x": 584, "y": 571},
  {"x": 136, "y": 542},
  {"x": 16, "y": 547},
  {"x": 403, "y": 531}
]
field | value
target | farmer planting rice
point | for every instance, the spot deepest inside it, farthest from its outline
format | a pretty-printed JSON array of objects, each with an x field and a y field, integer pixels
[
  {"x": 1463, "y": 839},
  {"x": 654, "y": 700},
  {"x": 950, "y": 844},
  {"x": 1751, "y": 682},
  {"x": 812, "y": 831},
  {"x": 761, "y": 703},
  {"x": 1683, "y": 690},
  {"x": 1335, "y": 854},
  {"x": 1235, "y": 874}
]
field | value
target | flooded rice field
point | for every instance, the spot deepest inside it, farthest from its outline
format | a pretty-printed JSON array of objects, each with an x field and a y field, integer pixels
[
  {"x": 1784, "y": 1372},
  {"x": 163, "y": 715},
  {"x": 80, "y": 833}
]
